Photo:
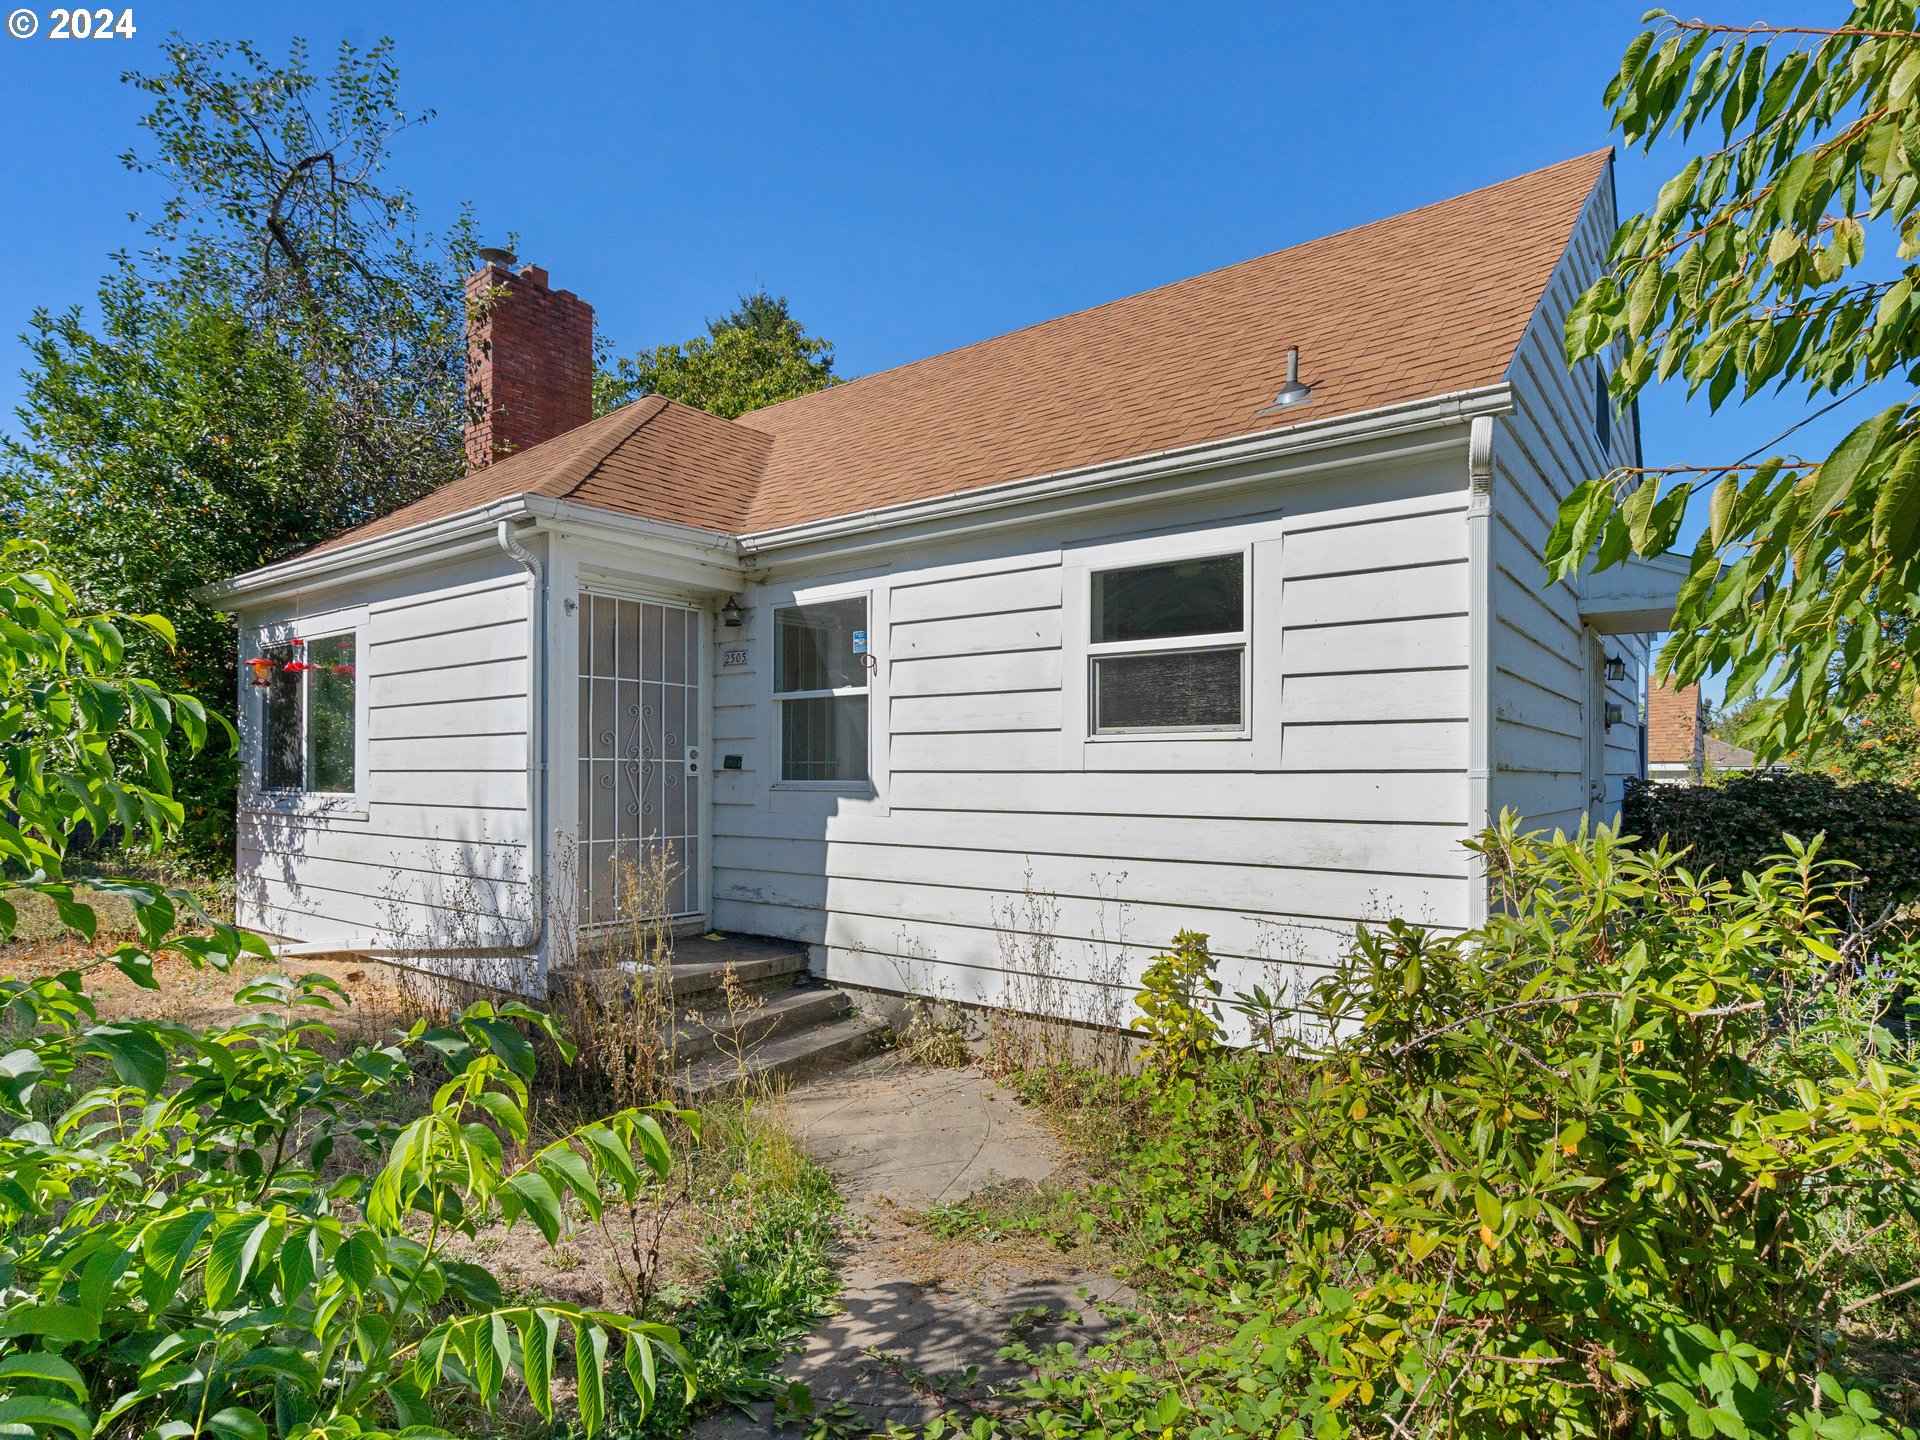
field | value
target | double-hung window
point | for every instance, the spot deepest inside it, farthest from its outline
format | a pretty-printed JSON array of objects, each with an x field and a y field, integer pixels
[
  {"x": 820, "y": 691},
  {"x": 310, "y": 740},
  {"x": 1168, "y": 648}
]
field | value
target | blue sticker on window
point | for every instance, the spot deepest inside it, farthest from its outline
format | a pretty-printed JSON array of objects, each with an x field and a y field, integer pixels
[{"x": 859, "y": 642}]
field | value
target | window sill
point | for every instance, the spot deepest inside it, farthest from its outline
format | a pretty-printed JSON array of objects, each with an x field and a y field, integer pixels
[
  {"x": 333, "y": 807},
  {"x": 1136, "y": 737},
  {"x": 828, "y": 787}
]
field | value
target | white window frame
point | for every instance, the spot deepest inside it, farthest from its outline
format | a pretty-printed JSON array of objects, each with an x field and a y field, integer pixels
[
  {"x": 864, "y": 785},
  {"x": 1241, "y": 640},
  {"x": 284, "y": 798}
]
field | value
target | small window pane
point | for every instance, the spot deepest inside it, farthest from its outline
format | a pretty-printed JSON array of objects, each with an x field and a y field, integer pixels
[
  {"x": 1160, "y": 602},
  {"x": 330, "y": 715},
  {"x": 813, "y": 646},
  {"x": 280, "y": 761},
  {"x": 1173, "y": 690},
  {"x": 824, "y": 738}
]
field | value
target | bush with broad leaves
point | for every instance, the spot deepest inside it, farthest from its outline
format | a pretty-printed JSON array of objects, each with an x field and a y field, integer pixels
[{"x": 176, "y": 1256}]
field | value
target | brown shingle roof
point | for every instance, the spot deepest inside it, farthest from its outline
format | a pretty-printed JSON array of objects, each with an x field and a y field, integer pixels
[{"x": 1422, "y": 304}]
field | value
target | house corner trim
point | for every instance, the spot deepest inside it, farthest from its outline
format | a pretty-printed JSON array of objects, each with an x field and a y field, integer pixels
[{"x": 1479, "y": 650}]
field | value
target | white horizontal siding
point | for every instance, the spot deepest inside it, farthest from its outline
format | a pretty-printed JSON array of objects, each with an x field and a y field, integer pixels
[
  {"x": 435, "y": 852},
  {"x": 1356, "y": 811}
]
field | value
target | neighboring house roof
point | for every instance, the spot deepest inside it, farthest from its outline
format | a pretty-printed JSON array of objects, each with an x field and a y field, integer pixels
[
  {"x": 1426, "y": 303},
  {"x": 1722, "y": 756}
]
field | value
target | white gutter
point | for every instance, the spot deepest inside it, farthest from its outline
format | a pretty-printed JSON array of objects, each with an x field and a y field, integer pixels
[
  {"x": 1479, "y": 651},
  {"x": 468, "y": 530},
  {"x": 536, "y": 740},
  {"x": 1091, "y": 482}
]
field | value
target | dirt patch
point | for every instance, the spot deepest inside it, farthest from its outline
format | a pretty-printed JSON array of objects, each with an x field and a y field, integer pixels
[{"x": 381, "y": 998}]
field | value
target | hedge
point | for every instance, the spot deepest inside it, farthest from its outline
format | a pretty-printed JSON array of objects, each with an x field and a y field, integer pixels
[{"x": 1735, "y": 823}]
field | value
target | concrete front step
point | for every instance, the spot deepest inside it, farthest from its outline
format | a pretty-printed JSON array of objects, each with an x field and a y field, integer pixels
[
  {"x": 699, "y": 967},
  {"x": 779, "y": 1013},
  {"x": 785, "y": 1056}
]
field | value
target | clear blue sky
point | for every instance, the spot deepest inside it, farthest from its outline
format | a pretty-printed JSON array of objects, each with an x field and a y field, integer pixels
[{"x": 912, "y": 176}]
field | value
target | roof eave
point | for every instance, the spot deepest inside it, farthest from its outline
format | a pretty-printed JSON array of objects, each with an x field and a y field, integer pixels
[
  {"x": 315, "y": 566},
  {"x": 470, "y": 529},
  {"x": 687, "y": 542}
]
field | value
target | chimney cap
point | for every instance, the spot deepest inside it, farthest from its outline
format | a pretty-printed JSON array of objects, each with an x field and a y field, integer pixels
[{"x": 496, "y": 255}]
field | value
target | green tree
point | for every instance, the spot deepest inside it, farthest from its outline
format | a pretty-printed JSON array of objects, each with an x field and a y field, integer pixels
[
  {"x": 1783, "y": 254},
  {"x": 168, "y": 446},
  {"x": 283, "y": 360},
  {"x": 751, "y": 357}
]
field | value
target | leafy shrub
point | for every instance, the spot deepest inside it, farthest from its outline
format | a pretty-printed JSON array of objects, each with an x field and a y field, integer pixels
[
  {"x": 1608, "y": 1165},
  {"x": 1735, "y": 824},
  {"x": 175, "y": 1248},
  {"x": 1179, "y": 1004},
  {"x": 177, "y": 1259}
]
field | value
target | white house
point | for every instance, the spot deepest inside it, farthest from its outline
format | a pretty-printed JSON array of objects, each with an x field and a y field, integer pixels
[{"x": 1052, "y": 645}]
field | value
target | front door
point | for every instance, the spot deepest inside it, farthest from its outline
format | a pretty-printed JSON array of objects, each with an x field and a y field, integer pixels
[{"x": 640, "y": 759}]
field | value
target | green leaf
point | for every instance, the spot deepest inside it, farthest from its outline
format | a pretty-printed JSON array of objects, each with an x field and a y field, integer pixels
[
  {"x": 539, "y": 1200},
  {"x": 1488, "y": 1209},
  {"x": 40, "y": 1365},
  {"x": 1841, "y": 468},
  {"x": 1720, "y": 510},
  {"x": 640, "y": 1369},
  {"x": 168, "y": 1249},
  {"x": 539, "y": 1331},
  {"x": 160, "y": 626},
  {"x": 503, "y": 1037},
  {"x": 505, "y": 1112},
  {"x": 359, "y": 1258},
  {"x": 491, "y": 1353},
  {"x": 1638, "y": 510},
  {"x": 1896, "y": 509},
  {"x": 137, "y": 1058},
  {"x": 296, "y": 1267},
  {"x": 230, "y": 1259},
  {"x": 565, "y": 1170},
  {"x": 56, "y": 1322},
  {"x": 590, "y": 1364},
  {"x": 44, "y": 1412},
  {"x": 238, "y": 1424}
]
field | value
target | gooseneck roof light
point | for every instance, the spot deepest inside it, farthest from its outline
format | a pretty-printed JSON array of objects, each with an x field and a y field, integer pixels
[{"x": 1293, "y": 392}]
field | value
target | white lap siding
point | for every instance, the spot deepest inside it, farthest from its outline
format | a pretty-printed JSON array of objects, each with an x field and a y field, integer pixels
[
  {"x": 999, "y": 842},
  {"x": 1540, "y": 690},
  {"x": 433, "y": 855}
]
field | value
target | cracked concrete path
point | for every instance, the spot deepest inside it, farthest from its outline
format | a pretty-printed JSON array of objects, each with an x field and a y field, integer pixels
[{"x": 921, "y": 1318}]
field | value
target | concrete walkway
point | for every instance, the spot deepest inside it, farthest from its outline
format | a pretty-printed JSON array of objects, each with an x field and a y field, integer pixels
[{"x": 921, "y": 1318}]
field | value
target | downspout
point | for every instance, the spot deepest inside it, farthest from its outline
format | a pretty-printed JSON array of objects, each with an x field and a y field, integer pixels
[
  {"x": 536, "y": 741},
  {"x": 1479, "y": 650}
]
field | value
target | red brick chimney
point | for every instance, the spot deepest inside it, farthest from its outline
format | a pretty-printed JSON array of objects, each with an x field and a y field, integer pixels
[
  {"x": 1676, "y": 729},
  {"x": 529, "y": 359}
]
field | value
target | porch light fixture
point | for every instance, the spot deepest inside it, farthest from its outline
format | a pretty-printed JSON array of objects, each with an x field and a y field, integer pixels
[
  {"x": 1293, "y": 392},
  {"x": 1616, "y": 668},
  {"x": 731, "y": 614}
]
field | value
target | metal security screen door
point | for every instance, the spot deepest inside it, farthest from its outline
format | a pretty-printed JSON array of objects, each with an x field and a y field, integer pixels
[{"x": 639, "y": 758}]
